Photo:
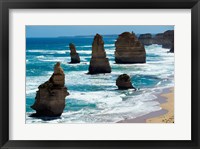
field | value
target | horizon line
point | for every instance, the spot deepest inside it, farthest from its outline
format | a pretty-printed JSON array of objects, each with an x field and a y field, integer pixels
[{"x": 92, "y": 35}]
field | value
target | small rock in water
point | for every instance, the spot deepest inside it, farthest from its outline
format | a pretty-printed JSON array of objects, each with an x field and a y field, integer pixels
[
  {"x": 124, "y": 82},
  {"x": 50, "y": 98},
  {"x": 74, "y": 55}
]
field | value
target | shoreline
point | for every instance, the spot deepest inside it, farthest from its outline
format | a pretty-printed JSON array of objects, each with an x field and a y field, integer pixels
[{"x": 165, "y": 115}]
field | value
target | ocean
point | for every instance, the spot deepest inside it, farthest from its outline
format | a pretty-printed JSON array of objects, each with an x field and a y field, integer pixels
[{"x": 95, "y": 98}]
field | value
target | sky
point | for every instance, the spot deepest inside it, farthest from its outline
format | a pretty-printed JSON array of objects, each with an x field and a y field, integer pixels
[{"x": 56, "y": 31}]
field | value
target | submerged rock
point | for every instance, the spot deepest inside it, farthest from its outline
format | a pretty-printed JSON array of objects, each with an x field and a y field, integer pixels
[
  {"x": 50, "y": 98},
  {"x": 129, "y": 49},
  {"x": 99, "y": 63},
  {"x": 124, "y": 82},
  {"x": 74, "y": 55}
]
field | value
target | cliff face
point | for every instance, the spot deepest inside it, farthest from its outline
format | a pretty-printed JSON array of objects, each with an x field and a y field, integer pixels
[
  {"x": 146, "y": 39},
  {"x": 50, "y": 98},
  {"x": 165, "y": 39},
  {"x": 169, "y": 36},
  {"x": 99, "y": 63},
  {"x": 129, "y": 49},
  {"x": 74, "y": 55}
]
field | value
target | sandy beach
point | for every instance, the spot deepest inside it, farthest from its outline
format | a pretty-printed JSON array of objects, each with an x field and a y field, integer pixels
[
  {"x": 169, "y": 106},
  {"x": 165, "y": 115}
]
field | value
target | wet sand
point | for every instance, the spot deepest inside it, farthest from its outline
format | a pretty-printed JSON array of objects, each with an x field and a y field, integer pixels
[
  {"x": 169, "y": 106},
  {"x": 165, "y": 115}
]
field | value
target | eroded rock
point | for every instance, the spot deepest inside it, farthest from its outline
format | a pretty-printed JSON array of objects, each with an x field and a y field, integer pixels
[
  {"x": 165, "y": 39},
  {"x": 124, "y": 82},
  {"x": 146, "y": 39},
  {"x": 169, "y": 36},
  {"x": 99, "y": 63},
  {"x": 74, "y": 55},
  {"x": 50, "y": 98},
  {"x": 129, "y": 49}
]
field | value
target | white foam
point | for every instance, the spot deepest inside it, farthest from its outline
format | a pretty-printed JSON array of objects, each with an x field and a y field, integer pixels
[
  {"x": 85, "y": 46},
  {"x": 43, "y": 51},
  {"x": 40, "y": 57},
  {"x": 84, "y": 51},
  {"x": 109, "y": 45},
  {"x": 63, "y": 60}
]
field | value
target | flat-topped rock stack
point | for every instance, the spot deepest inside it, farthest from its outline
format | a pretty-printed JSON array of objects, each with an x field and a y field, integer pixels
[
  {"x": 129, "y": 49},
  {"x": 50, "y": 98},
  {"x": 74, "y": 55},
  {"x": 99, "y": 63}
]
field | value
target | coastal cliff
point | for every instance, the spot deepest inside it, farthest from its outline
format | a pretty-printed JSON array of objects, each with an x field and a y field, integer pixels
[
  {"x": 165, "y": 39},
  {"x": 146, "y": 39}
]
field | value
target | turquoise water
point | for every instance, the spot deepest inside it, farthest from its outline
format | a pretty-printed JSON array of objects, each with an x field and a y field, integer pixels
[{"x": 95, "y": 98}]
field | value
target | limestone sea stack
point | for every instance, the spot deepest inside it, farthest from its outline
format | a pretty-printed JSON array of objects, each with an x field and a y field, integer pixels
[
  {"x": 50, "y": 98},
  {"x": 129, "y": 49},
  {"x": 124, "y": 82},
  {"x": 99, "y": 63},
  {"x": 74, "y": 55}
]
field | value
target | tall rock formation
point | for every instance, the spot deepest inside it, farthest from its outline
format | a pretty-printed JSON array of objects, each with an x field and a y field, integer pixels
[
  {"x": 50, "y": 98},
  {"x": 129, "y": 49},
  {"x": 99, "y": 63},
  {"x": 74, "y": 55}
]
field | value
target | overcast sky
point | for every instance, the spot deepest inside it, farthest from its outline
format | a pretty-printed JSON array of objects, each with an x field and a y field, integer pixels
[{"x": 56, "y": 31}]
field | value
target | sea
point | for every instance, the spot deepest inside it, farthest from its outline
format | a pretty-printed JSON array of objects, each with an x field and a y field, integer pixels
[{"x": 95, "y": 98}]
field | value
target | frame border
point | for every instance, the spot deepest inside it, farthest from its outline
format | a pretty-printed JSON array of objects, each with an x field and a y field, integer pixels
[{"x": 5, "y": 5}]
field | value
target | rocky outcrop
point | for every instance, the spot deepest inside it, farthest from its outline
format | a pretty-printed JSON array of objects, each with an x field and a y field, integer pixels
[
  {"x": 169, "y": 36},
  {"x": 50, "y": 98},
  {"x": 165, "y": 39},
  {"x": 74, "y": 55},
  {"x": 99, "y": 63},
  {"x": 172, "y": 48},
  {"x": 146, "y": 39},
  {"x": 129, "y": 49},
  {"x": 124, "y": 82}
]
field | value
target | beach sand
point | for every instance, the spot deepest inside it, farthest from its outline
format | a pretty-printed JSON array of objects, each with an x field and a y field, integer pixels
[
  {"x": 165, "y": 115},
  {"x": 169, "y": 106}
]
